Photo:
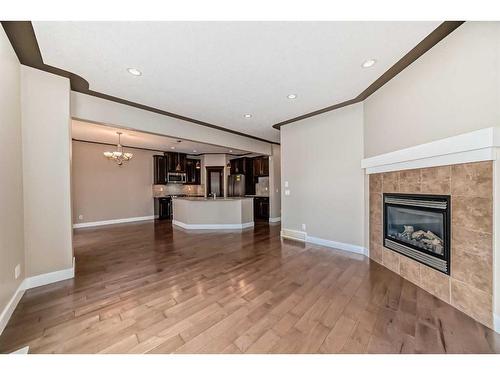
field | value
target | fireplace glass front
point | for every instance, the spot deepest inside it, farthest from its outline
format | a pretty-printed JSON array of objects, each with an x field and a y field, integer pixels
[{"x": 418, "y": 226}]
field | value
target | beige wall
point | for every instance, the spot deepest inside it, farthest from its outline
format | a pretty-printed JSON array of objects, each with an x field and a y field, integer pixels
[
  {"x": 46, "y": 143},
  {"x": 94, "y": 109},
  {"x": 454, "y": 88},
  {"x": 275, "y": 182},
  {"x": 102, "y": 190},
  {"x": 11, "y": 178},
  {"x": 321, "y": 159}
]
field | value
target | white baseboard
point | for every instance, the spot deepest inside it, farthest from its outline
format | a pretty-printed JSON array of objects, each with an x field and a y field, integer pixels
[
  {"x": 496, "y": 323},
  {"x": 23, "y": 350},
  {"x": 337, "y": 245},
  {"x": 302, "y": 236},
  {"x": 114, "y": 221},
  {"x": 11, "y": 306},
  {"x": 33, "y": 282},
  {"x": 274, "y": 219},
  {"x": 49, "y": 278},
  {"x": 291, "y": 234},
  {"x": 212, "y": 226}
]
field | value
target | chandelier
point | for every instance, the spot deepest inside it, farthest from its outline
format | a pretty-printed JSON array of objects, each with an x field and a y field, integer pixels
[{"x": 118, "y": 156}]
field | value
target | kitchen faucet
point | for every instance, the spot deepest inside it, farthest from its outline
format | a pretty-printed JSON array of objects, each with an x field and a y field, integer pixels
[{"x": 214, "y": 195}]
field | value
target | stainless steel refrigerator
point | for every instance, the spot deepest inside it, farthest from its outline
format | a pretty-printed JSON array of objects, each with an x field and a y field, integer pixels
[{"x": 236, "y": 185}]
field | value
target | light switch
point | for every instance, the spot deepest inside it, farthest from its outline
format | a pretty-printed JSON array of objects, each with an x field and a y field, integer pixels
[
  {"x": 287, "y": 192},
  {"x": 286, "y": 183}
]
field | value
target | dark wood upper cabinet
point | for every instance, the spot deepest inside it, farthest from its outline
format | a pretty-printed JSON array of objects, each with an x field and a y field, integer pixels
[
  {"x": 193, "y": 174},
  {"x": 175, "y": 160},
  {"x": 238, "y": 166},
  {"x": 160, "y": 169},
  {"x": 261, "y": 166}
]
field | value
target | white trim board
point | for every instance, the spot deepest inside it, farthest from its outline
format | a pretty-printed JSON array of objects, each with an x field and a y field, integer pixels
[
  {"x": 291, "y": 234},
  {"x": 474, "y": 146},
  {"x": 338, "y": 245},
  {"x": 113, "y": 221},
  {"x": 213, "y": 226},
  {"x": 23, "y": 350},
  {"x": 496, "y": 323},
  {"x": 274, "y": 219},
  {"x": 303, "y": 237},
  {"x": 33, "y": 282},
  {"x": 11, "y": 306},
  {"x": 49, "y": 278}
]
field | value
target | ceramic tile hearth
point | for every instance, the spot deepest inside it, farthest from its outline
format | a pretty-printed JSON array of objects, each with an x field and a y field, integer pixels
[{"x": 469, "y": 286}]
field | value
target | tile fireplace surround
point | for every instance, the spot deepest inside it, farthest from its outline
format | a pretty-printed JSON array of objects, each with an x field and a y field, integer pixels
[
  {"x": 469, "y": 288},
  {"x": 465, "y": 167}
]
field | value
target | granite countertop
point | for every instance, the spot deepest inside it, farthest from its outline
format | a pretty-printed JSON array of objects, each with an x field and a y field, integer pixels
[
  {"x": 257, "y": 196},
  {"x": 209, "y": 199}
]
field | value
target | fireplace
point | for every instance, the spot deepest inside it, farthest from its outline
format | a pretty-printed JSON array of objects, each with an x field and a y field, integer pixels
[{"x": 418, "y": 226}]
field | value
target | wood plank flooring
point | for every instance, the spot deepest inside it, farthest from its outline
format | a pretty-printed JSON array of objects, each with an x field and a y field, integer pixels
[{"x": 148, "y": 288}]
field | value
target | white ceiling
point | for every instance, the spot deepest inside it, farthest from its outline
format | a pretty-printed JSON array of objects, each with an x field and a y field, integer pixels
[
  {"x": 218, "y": 71},
  {"x": 86, "y": 131}
]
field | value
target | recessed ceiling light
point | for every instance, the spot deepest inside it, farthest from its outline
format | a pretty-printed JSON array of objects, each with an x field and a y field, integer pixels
[
  {"x": 369, "y": 63},
  {"x": 292, "y": 96},
  {"x": 230, "y": 150},
  {"x": 247, "y": 115},
  {"x": 195, "y": 151},
  {"x": 172, "y": 147},
  {"x": 134, "y": 71}
]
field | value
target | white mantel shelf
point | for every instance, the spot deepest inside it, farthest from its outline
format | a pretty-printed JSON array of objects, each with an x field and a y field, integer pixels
[{"x": 470, "y": 147}]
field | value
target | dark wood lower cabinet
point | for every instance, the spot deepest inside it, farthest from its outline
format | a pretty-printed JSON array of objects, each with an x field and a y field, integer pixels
[
  {"x": 163, "y": 208},
  {"x": 261, "y": 208}
]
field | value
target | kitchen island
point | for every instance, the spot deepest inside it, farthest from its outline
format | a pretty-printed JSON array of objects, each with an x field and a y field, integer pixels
[{"x": 210, "y": 213}]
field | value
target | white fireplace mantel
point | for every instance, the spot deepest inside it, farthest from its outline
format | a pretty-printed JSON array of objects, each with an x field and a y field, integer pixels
[{"x": 470, "y": 147}]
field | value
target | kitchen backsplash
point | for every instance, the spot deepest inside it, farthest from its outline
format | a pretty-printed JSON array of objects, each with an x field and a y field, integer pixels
[
  {"x": 173, "y": 189},
  {"x": 262, "y": 186}
]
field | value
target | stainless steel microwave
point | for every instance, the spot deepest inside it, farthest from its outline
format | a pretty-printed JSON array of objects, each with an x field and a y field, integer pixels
[{"x": 176, "y": 178}]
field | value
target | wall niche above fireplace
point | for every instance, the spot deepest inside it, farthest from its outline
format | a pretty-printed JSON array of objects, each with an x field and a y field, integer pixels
[{"x": 418, "y": 226}]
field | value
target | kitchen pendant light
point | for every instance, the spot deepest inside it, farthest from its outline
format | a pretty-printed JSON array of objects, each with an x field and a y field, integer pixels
[
  {"x": 198, "y": 165},
  {"x": 178, "y": 166},
  {"x": 118, "y": 156}
]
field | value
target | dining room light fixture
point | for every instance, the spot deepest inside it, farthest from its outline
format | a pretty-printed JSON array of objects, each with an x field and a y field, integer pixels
[{"x": 119, "y": 156}]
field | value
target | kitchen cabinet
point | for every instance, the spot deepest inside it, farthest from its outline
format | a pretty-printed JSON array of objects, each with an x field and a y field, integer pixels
[
  {"x": 261, "y": 208},
  {"x": 163, "y": 208},
  {"x": 261, "y": 166},
  {"x": 193, "y": 174},
  {"x": 176, "y": 159},
  {"x": 249, "y": 178},
  {"x": 238, "y": 166},
  {"x": 159, "y": 169}
]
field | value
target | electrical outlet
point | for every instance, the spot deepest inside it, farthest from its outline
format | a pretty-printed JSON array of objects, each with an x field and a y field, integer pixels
[
  {"x": 80, "y": 217},
  {"x": 304, "y": 227},
  {"x": 17, "y": 271}
]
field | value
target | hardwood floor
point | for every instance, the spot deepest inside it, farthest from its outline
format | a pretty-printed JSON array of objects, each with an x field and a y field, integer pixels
[{"x": 148, "y": 288}]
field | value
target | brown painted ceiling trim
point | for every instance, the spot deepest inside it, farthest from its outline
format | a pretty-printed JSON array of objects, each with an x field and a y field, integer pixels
[
  {"x": 426, "y": 44},
  {"x": 23, "y": 39}
]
